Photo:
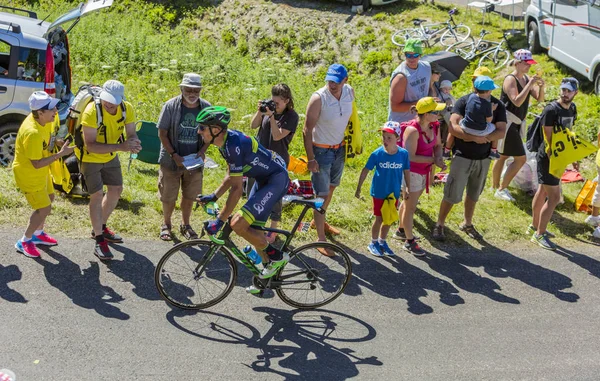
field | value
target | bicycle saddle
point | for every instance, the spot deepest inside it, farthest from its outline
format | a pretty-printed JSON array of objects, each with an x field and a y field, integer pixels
[
  {"x": 484, "y": 32},
  {"x": 452, "y": 11},
  {"x": 417, "y": 22}
]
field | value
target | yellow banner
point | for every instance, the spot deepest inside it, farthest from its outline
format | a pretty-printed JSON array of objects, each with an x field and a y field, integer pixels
[
  {"x": 567, "y": 148},
  {"x": 353, "y": 135}
]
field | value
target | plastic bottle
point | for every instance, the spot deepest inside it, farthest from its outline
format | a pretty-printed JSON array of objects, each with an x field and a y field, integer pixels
[{"x": 252, "y": 255}]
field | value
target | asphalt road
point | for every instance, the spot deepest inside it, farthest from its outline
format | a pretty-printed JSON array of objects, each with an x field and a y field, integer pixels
[{"x": 509, "y": 313}]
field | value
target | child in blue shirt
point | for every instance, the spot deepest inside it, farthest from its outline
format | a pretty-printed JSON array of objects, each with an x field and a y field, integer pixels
[{"x": 391, "y": 163}]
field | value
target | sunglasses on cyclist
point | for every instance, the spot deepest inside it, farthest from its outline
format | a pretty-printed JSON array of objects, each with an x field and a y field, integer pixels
[
  {"x": 202, "y": 127},
  {"x": 412, "y": 55}
]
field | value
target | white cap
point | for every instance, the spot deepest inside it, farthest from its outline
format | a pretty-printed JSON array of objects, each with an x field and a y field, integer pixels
[
  {"x": 445, "y": 83},
  {"x": 113, "y": 92},
  {"x": 40, "y": 100}
]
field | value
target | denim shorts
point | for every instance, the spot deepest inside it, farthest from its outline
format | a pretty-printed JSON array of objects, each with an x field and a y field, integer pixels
[{"x": 331, "y": 167}]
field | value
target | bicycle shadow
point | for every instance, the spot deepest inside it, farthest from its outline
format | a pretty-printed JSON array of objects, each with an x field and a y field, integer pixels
[
  {"x": 9, "y": 274},
  {"x": 135, "y": 269},
  {"x": 82, "y": 286},
  {"x": 407, "y": 282},
  {"x": 304, "y": 347},
  {"x": 495, "y": 262}
]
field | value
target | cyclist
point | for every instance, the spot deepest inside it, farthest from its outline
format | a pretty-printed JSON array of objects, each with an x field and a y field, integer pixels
[{"x": 245, "y": 155}]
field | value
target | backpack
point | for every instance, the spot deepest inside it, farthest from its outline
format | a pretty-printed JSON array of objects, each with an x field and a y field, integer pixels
[
  {"x": 535, "y": 134},
  {"x": 86, "y": 94}
]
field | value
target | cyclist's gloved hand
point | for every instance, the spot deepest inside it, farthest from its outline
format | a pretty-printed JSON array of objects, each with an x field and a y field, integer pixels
[
  {"x": 206, "y": 198},
  {"x": 212, "y": 227}
]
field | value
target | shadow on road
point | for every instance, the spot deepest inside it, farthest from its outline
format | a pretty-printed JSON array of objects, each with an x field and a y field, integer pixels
[
  {"x": 137, "y": 270},
  {"x": 307, "y": 344},
  {"x": 9, "y": 274},
  {"x": 82, "y": 286}
]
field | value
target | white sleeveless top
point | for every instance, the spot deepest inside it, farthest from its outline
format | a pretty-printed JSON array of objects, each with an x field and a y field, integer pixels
[
  {"x": 417, "y": 87},
  {"x": 334, "y": 116}
]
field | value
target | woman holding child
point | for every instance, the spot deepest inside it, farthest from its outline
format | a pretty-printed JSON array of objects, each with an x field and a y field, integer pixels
[{"x": 421, "y": 138}]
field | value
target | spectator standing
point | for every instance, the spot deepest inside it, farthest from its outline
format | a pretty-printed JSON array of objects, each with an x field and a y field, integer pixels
[
  {"x": 470, "y": 164},
  {"x": 100, "y": 163},
  {"x": 594, "y": 219},
  {"x": 410, "y": 82},
  {"x": 424, "y": 146},
  {"x": 517, "y": 88},
  {"x": 391, "y": 165},
  {"x": 327, "y": 115},
  {"x": 562, "y": 115},
  {"x": 34, "y": 144},
  {"x": 178, "y": 133},
  {"x": 276, "y": 130}
]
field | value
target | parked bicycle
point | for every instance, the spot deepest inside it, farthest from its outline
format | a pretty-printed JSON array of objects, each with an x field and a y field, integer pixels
[
  {"x": 493, "y": 54},
  {"x": 200, "y": 273},
  {"x": 447, "y": 33}
]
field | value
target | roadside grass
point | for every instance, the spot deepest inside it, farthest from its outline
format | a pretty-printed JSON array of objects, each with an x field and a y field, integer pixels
[{"x": 149, "y": 51}]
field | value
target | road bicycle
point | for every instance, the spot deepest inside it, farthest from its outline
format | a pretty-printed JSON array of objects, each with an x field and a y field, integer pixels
[
  {"x": 448, "y": 32},
  {"x": 198, "y": 274},
  {"x": 493, "y": 54}
]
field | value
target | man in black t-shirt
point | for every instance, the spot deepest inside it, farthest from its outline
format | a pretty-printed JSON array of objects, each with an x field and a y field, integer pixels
[
  {"x": 559, "y": 114},
  {"x": 470, "y": 164}
]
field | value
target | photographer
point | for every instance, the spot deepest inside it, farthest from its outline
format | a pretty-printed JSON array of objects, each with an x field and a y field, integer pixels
[{"x": 276, "y": 120}]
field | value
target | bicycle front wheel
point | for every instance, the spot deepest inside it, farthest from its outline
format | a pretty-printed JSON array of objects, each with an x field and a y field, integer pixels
[
  {"x": 496, "y": 59},
  {"x": 454, "y": 35},
  {"x": 463, "y": 48},
  {"x": 310, "y": 279},
  {"x": 195, "y": 274},
  {"x": 399, "y": 38}
]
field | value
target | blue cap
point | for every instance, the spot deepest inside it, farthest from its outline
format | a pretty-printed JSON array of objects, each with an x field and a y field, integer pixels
[
  {"x": 485, "y": 83},
  {"x": 336, "y": 73}
]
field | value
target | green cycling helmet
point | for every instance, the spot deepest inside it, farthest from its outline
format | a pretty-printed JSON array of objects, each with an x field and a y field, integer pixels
[{"x": 214, "y": 116}]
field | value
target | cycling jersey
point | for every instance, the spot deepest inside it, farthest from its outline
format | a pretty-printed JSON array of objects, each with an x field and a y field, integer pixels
[{"x": 246, "y": 156}]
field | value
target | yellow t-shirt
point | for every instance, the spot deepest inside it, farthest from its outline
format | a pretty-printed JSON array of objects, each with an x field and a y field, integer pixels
[
  {"x": 114, "y": 129},
  {"x": 33, "y": 143}
]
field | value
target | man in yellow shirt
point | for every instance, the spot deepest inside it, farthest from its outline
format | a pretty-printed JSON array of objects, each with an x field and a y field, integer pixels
[
  {"x": 33, "y": 147},
  {"x": 100, "y": 162}
]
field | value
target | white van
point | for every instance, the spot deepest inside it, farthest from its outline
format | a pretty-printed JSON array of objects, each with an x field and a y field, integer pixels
[{"x": 570, "y": 31}]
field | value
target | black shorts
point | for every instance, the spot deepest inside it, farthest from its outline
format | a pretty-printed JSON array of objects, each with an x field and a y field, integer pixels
[
  {"x": 543, "y": 169},
  {"x": 513, "y": 144}
]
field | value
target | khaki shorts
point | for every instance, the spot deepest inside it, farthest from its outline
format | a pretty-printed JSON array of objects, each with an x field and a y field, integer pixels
[
  {"x": 41, "y": 199},
  {"x": 99, "y": 174},
  {"x": 465, "y": 173},
  {"x": 418, "y": 182},
  {"x": 170, "y": 181}
]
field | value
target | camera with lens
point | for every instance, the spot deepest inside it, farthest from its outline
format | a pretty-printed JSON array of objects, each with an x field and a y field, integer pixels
[{"x": 267, "y": 104}]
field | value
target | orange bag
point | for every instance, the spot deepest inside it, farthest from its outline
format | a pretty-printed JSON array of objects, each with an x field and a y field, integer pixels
[
  {"x": 299, "y": 165},
  {"x": 583, "y": 202}
]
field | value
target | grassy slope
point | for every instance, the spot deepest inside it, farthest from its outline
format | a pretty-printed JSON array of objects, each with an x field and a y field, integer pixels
[{"x": 241, "y": 49}]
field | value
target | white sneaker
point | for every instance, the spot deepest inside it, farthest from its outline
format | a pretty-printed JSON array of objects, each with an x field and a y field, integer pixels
[
  {"x": 593, "y": 221},
  {"x": 504, "y": 194},
  {"x": 596, "y": 232}
]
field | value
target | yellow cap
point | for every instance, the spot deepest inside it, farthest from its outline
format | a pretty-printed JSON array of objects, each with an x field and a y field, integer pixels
[
  {"x": 428, "y": 104},
  {"x": 482, "y": 70}
]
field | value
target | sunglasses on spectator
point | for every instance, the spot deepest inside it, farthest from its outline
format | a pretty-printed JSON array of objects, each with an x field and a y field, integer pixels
[
  {"x": 434, "y": 112},
  {"x": 412, "y": 55}
]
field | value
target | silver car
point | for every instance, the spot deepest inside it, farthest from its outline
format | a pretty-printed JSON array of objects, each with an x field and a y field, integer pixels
[{"x": 34, "y": 56}]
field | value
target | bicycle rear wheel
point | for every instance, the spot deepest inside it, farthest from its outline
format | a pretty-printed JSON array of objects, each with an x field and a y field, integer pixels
[
  {"x": 462, "y": 48},
  {"x": 310, "y": 279},
  {"x": 183, "y": 283},
  {"x": 399, "y": 38},
  {"x": 496, "y": 59},
  {"x": 454, "y": 35}
]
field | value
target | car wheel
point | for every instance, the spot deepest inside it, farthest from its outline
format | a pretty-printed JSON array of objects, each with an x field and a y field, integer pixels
[
  {"x": 533, "y": 38},
  {"x": 597, "y": 82},
  {"x": 8, "y": 138}
]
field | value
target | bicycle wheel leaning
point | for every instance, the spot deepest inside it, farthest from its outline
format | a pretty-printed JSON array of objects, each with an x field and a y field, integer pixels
[
  {"x": 495, "y": 59},
  {"x": 399, "y": 38},
  {"x": 195, "y": 274},
  {"x": 310, "y": 279},
  {"x": 456, "y": 34},
  {"x": 463, "y": 48}
]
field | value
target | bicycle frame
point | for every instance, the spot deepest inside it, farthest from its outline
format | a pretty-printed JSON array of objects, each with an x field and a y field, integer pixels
[{"x": 448, "y": 25}]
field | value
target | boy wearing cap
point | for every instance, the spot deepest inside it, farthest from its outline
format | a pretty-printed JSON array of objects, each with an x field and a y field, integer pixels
[
  {"x": 327, "y": 115},
  {"x": 558, "y": 114},
  {"x": 178, "y": 133},
  {"x": 409, "y": 82},
  {"x": 34, "y": 144},
  {"x": 478, "y": 116},
  {"x": 100, "y": 162},
  {"x": 391, "y": 164}
]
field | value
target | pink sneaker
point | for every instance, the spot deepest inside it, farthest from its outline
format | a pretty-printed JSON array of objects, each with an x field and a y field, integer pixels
[
  {"x": 44, "y": 239},
  {"x": 27, "y": 248}
]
